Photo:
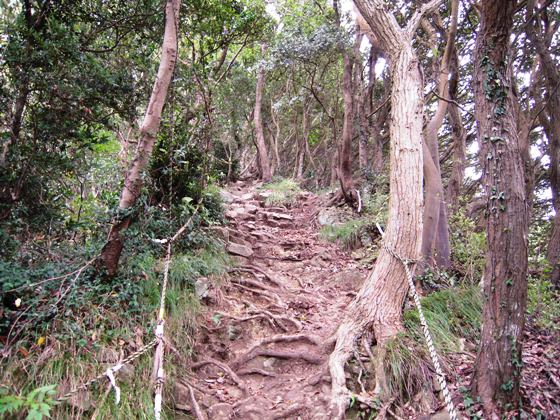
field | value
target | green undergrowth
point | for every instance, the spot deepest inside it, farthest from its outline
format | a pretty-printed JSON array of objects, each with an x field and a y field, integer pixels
[
  {"x": 73, "y": 349},
  {"x": 453, "y": 316},
  {"x": 65, "y": 331},
  {"x": 283, "y": 192},
  {"x": 346, "y": 234},
  {"x": 543, "y": 304},
  {"x": 354, "y": 230}
]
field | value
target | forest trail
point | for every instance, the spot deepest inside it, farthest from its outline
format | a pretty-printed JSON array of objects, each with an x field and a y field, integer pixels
[{"x": 262, "y": 349}]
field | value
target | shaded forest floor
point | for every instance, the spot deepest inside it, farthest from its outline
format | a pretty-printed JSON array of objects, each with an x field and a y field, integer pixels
[{"x": 263, "y": 343}]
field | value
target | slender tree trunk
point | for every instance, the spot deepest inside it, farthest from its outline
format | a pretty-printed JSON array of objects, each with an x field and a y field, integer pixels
[
  {"x": 111, "y": 252},
  {"x": 459, "y": 134},
  {"x": 276, "y": 138},
  {"x": 345, "y": 150},
  {"x": 497, "y": 374},
  {"x": 436, "y": 250},
  {"x": 265, "y": 171},
  {"x": 345, "y": 147},
  {"x": 550, "y": 120},
  {"x": 378, "y": 304}
]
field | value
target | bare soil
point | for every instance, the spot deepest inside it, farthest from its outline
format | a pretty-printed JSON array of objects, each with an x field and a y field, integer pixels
[{"x": 264, "y": 341}]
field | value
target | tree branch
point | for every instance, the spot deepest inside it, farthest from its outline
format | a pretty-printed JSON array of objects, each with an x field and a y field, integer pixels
[{"x": 419, "y": 14}]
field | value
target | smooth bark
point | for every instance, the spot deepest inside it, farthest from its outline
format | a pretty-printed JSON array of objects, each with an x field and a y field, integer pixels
[
  {"x": 436, "y": 250},
  {"x": 112, "y": 250},
  {"x": 265, "y": 171}
]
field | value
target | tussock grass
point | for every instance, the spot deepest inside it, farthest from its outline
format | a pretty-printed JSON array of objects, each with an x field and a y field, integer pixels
[
  {"x": 283, "y": 192},
  {"x": 452, "y": 314},
  {"x": 346, "y": 234}
]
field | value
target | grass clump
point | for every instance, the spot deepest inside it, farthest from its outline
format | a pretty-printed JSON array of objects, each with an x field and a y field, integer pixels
[
  {"x": 346, "y": 234},
  {"x": 283, "y": 192},
  {"x": 452, "y": 314}
]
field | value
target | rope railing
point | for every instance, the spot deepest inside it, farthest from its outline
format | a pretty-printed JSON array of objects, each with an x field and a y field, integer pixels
[{"x": 426, "y": 331}]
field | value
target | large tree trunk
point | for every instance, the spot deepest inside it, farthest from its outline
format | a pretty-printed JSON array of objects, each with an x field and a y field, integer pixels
[
  {"x": 497, "y": 375},
  {"x": 265, "y": 171},
  {"x": 111, "y": 252},
  {"x": 378, "y": 304}
]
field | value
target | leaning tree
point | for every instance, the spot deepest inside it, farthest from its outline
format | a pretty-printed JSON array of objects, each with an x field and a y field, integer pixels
[
  {"x": 378, "y": 304},
  {"x": 112, "y": 250}
]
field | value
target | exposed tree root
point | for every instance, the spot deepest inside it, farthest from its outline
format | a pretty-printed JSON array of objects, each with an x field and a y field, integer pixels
[
  {"x": 253, "y": 283},
  {"x": 225, "y": 368},
  {"x": 277, "y": 318},
  {"x": 340, "y": 397},
  {"x": 288, "y": 412},
  {"x": 196, "y": 408},
  {"x": 264, "y": 294},
  {"x": 256, "y": 371},
  {"x": 250, "y": 318},
  {"x": 286, "y": 338},
  {"x": 265, "y": 274},
  {"x": 280, "y": 354},
  {"x": 322, "y": 376}
]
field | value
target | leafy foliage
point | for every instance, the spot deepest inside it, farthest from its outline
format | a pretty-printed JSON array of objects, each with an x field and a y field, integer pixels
[{"x": 37, "y": 403}]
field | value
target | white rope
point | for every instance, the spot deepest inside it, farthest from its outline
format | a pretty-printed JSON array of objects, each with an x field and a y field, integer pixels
[
  {"x": 427, "y": 335},
  {"x": 110, "y": 374}
]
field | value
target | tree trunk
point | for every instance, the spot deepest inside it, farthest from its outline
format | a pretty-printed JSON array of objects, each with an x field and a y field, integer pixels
[
  {"x": 111, "y": 252},
  {"x": 345, "y": 150},
  {"x": 435, "y": 237},
  {"x": 497, "y": 375},
  {"x": 378, "y": 304},
  {"x": 459, "y": 134},
  {"x": 265, "y": 172},
  {"x": 550, "y": 120}
]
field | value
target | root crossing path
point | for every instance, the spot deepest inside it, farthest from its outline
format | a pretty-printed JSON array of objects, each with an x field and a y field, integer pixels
[{"x": 263, "y": 345}]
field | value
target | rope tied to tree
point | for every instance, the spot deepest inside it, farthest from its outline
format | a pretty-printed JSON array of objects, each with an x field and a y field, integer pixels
[{"x": 426, "y": 331}]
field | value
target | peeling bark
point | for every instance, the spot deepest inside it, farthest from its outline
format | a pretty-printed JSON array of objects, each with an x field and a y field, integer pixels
[{"x": 378, "y": 304}]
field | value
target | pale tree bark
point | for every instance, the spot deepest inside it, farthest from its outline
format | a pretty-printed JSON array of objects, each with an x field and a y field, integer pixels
[
  {"x": 497, "y": 376},
  {"x": 378, "y": 304},
  {"x": 276, "y": 137},
  {"x": 459, "y": 135},
  {"x": 361, "y": 92},
  {"x": 541, "y": 36},
  {"x": 436, "y": 250},
  {"x": 112, "y": 250},
  {"x": 265, "y": 171}
]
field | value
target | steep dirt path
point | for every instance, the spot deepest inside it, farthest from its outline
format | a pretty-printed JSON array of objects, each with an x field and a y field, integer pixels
[{"x": 262, "y": 350}]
